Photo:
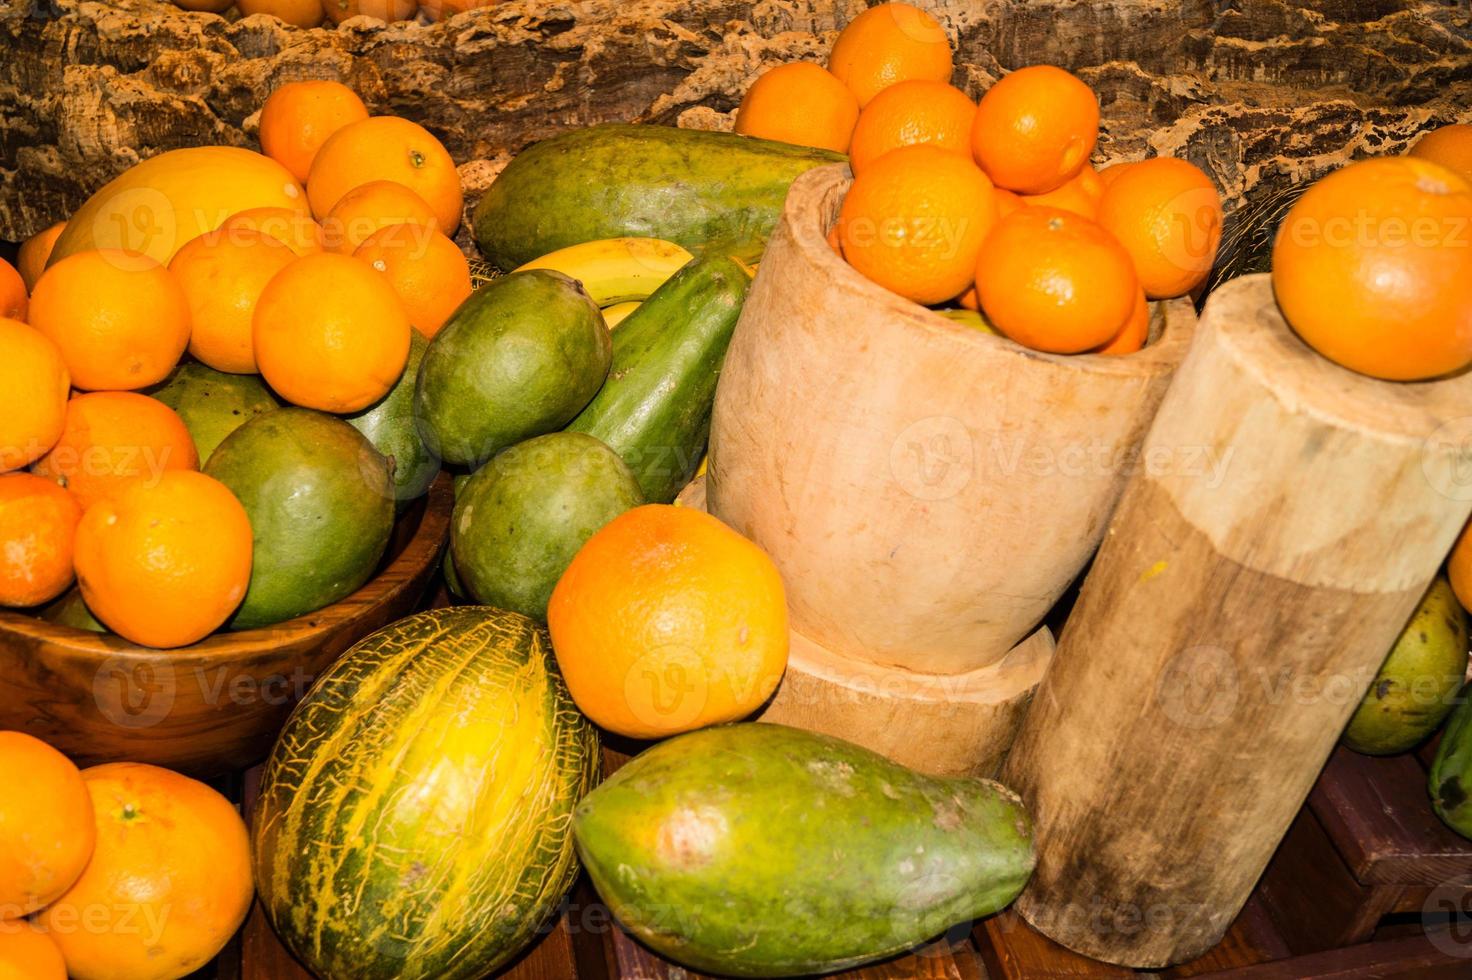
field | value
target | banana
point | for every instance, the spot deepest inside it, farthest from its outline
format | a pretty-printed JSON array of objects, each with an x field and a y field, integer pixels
[
  {"x": 968, "y": 318},
  {"x": 616, "y": 270},
  {"x": 615, "y": 314}
]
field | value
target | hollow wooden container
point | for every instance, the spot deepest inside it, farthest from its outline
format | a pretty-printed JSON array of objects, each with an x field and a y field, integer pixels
[
  {"x": 215, "y": 706},
  {"x": 1252, "y": 580},
  {"x": 927, "y": 490}
]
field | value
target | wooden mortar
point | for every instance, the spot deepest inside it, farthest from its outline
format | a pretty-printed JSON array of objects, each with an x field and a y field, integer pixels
[{"x": 1288, "y": 520}]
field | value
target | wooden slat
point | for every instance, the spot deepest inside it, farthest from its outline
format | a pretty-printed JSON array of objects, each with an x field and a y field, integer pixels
[
  {"x": 1252, "y": 938},
  {"x": 1377, "y": 813},
  {"x": 1414, "y": 958},
  {"x": 1013, "y": 950}
]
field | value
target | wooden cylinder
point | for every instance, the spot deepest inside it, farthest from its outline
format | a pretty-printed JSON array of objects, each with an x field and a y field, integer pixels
[
  {"x": 927, "y": 490},
  {"x": 1286, "y": 519}
]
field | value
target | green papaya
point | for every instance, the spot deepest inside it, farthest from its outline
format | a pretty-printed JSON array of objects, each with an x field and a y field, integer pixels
[
  {"x": 758, "y": 850},
  {"x": 213, "y": 404},
  {"x": 389, "y": 425},
  {"x": 697, "y": 189}
]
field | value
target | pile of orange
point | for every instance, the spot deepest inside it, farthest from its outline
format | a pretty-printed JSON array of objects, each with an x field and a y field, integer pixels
[
  {"x": 121, "y": 871},
  {"x": 992, "y": 205},
  {"x": 312, "y": 13},
  {"x": 322, "y": 309}
]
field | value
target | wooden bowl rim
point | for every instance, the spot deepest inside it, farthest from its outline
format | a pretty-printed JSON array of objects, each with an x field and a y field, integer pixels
[
  {"x": 421, "y": 549},
  {"x": 804, "y": 215}
]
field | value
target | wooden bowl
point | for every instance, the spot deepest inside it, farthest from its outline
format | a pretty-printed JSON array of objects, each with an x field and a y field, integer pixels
[{"x": 214, "y": 706}]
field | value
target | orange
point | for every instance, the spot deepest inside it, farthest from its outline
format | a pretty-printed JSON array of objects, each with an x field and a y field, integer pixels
[
  {"x": 168, "y": 884},
  {"x": 389, "y": 11},
  {"x": 1080, "y": 194},
  {"x": 1109, "y": 174},
  {"x": 915, "y": 220},
  {"x": 426, "y": 269},
  {"x": 223, "y": 273},
  {"x": 910, "y": 112},
  {"x": 799, "y": 103},
  {"x": 387, "y": 148},
  {"x": 34, "y": 385},
  {"x": 331, "y": 334},
  {"x": 38, "y": 526},
  {"x": 1035, "y": 129},
  {"x": 1370, "y": 268},
  {"x": 371, "y": 206},
  {"x": 34, "y": 251},
  {"x": 114, "y": 437},
  {"x": 297, "y": 13},
  {"x": 164, "y": 562},
  {"x": 120, "y": 319},
  {"x": 1459, "y": 568},
  {"x": 46, "y": 828},
  {"x": 437, "y": 10},
  {"x": 1055, "y": 281},
  {"x": 666, "y": 621},
  {"x": 27, "y": 953},
  {"x": 293, "y": 229},
  {"x": 893, "y": 42},
  {"x": 1007, "y": 202},
  {"x": 13, "y": 300},
  {"x": 1133, "y": 335},
  {"x": 298, "y": 118},
  {"x": 1450, "y": 146},
  {"x": 1168, "y": 215}
]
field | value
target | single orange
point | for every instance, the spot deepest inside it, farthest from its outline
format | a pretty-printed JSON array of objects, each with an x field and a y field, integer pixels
[
  {"x": 969, "y": 300},
  {"x": 120, "y": 319},
  {"x": 27, "y": 953},
  {"x": 1370, "y": 267},
  {"x": 46, "y": 827},
  {"x": 1450, "y": 146},
  {"x": 387, "y": 11},
  {"x": 1168, "y": 215},
  {"x": 298, "y": 118},
  {"x": 13, "y": 298},
  {"x": 34, "y": 386},
  {"x": 437, "y": 10},
  {"x": 295, "y": 230},
  {"x": 1080, "y": 194},
  {"x": 369, "y": 207},
  {"x": 34, "y": 251},
  {"x": 112, "y": 438},
  {"x": 911, "y": 112},
  {"x": 1108, "y": 175},
  {"x": 165, "y": 562},
  {"x": 38, "y": 527},
  {"x": 1459, "y": 568},
  {"x": 169, "y": 882},
  {"x": 799, "y": 103},
  {"x": 223, "y": 272},
  {"x": 890, "y": 43},
  {"x": 832, "y": 239},
  {"x": 426, "y": 269},
  {"x": 331, "y": 334},
  {"x": 666, "y": 621},
  {"x": 914, "y": 222},
  {"x": 297, "y": 13},
  {"x": 1133, "y": 335},
  {"x": 1035, "y": 129},
  {"x": 1055, "y": 281},
  {"x": 387, "y": 148}
]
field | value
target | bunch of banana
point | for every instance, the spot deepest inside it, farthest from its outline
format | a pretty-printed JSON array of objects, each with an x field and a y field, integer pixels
[{"x": 616, "y": 271}]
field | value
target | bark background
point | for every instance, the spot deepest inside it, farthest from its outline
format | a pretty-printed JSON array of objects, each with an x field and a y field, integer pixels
[{"x": 1261, "y": 93}]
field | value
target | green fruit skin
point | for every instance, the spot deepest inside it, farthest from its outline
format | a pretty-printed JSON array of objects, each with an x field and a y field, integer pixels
[
  {"x": 414, "y": 818},
  {"x": 520, "y": 358},
  {"x": 390, "y": 426},
  {"x": 71, "y": 610},
  {"x": 1450, "y": 779},
  {"x": 213, "y": 404},
  {"x": 1412, "y": 693},
  {"x": 655, "y": 408},
  {"x": 321, "y": 507},
  {"x": 523, "y": 516},
  {"x": 758, "y": 850},
  {"x": 694, "y": 188}
]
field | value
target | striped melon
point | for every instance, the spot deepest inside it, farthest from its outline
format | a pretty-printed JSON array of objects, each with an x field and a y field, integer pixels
[{"x": 415, "y": 816}]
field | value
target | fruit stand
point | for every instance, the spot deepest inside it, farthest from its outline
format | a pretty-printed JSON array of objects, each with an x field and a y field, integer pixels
[{"x": 647, "y": 491}]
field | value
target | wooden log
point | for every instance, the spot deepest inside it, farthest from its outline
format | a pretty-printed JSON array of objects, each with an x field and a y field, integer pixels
[
  {"x": 1287, "y": 521},
  {"x": 927, "y": 490}
]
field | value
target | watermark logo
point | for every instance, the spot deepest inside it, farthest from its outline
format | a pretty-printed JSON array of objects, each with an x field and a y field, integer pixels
[
  {"x": 1447, "y": 459},
  {"x": 133, "y": 693},
  {"x": 933, "y": 458},
  {"x": 1199, "y": 687}
]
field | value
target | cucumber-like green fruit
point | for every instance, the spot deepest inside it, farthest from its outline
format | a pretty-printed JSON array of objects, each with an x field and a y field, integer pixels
[
  {"x": 321, "y": 506},
  {"x": 1450, "y": 779},
  {"x": 522, "y": 517},
  {"x": 655, "y": 408},
  {"x": 757, "y": 850},
  {"x": 389, "y": 425},
  {"x": 1413, "y": 690},
  {"x": 697, "y": 189},
  {"x": 520, "y": 358},
  {"x": 213, "y": 404},
  {"x": 414, "y": 819},
  {"x": 71, "y": 610}
]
